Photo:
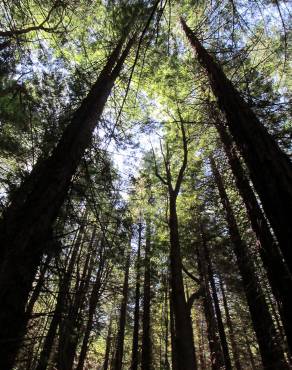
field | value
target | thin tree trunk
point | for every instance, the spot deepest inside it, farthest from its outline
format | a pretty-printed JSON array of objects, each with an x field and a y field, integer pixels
[
  {"x": 109, "y": 339},
  {"x": 118, "y": 361},
  {"x": 63, "y": 291},
  {"x": 93, "y": 302},
  {"x": 277, "y": 272},
  {"x": 229, "y": 323},
  {"x": 271, "y": 351},
  {"x": 30, "y": 217},
  {"x": 217, "y": 357},
  {"x": 146, "y": 360},
  {"x": 71, "y": 323},
  {"x": 135, "y": 344},
  {"x": 270, "y": 169},
  {"x": 220, "y": 324}
]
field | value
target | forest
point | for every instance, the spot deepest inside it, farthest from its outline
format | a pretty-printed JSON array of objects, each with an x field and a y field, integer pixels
[{"x": 145, "y": 184}]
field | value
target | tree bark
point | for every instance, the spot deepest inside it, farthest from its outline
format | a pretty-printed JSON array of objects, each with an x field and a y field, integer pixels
[
  {"x": 59, "y": 308},
  {"x": 135, "y": 344},
  {"x": 118, "y": 361},
  {"x": 217, "y": 357},
  {"x": 109, "y": 339},
  {"x": 30, "y": 217},
  {"x": 229, "y": 323},
  {"x": 220, "y": 324},
  {"x": 271, "y": 350},
  {"x": 277, "y": 272},
  {"x": 93, "y": 302},
  {"x": 146, "y": 360},
  {"x": 270, "y": 169}
]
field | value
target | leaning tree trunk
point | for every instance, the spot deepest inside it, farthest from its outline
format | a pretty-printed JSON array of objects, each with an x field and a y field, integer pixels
[
  {"x": 184, "y": 341},
  {"x": 29, "y": 219},
  {"x": 270, "y": 169},
  {"x": 278, "y": 275},
  {"x": 135, "y": 345},
  {"x": 118, "y": 360},
  {"x": 216, "y": 354},
  {"x": 146, "y": 360},
  {"x": 271, "y": 351}
]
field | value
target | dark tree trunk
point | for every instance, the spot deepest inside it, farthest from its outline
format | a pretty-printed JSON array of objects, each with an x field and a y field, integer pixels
[
  {"x": 135, "y": 345},
  {"x": 220, "y": 324},
  {"x": 146, "y": 359},
  {"x": 270, "y": 169},
  {"x": 93, "y": 302},
  {"x": 277, "y": 272},
  {"x": 61, "y": 299},
  {"x": 70, "y": 327},
  {"x": 217, "y": 358},
  {"x": 109, "y": 339},
  {"x": 184, "y": 341},
  {"x": 30, "y": 217},
  {"x": 118, "y": 361},
  {"x": 174, "y": 360},
  {"x": 229, "y": 324},
  {"x": 271, "y": 351}
]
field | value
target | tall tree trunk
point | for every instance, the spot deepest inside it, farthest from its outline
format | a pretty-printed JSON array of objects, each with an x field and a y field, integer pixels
[
  {"x": 184, "y": 341},
  {"x": 93, "y": 302},
  {"x": 109, "y": 339},
  {"x": 278, "y": 275},
  {"x": 220, "y": 324},
  {"x": 31, "y": 215},
  {"x": 146, "y": 360},
  {"x": 71, "y": 324},
  {"x": 174, "y": 359},
  {"x": 229, "y": 323},
  {"x": 135, "y": 345},
  {"x": 271, "y": 350},
  {"x": 118, "y": 361},
  {"x": 270, "y": 169},
  {"x": 59, "y": 308},
  {"x": 217, "y": 357}
]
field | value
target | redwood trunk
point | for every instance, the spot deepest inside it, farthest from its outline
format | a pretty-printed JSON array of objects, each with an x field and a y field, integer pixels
[
  {"x": 270, "y": 169},
  {"x": 29, "y": 219},
  {"x": 277, "y": 272},
  {"x": 271, "y": 350}
]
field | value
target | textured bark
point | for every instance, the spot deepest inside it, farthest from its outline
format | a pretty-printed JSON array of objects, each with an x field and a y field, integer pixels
[
  {"x": 229, "y": 324},
  {"x": 277, "y": 272},
  {"x": 270, "y": 169},
  {"x": 220, "y": 324},
  {"x": 271, "y": 350},
  {"x": 118, "y": 360},
  {"x": 217, "y": 358},
  {"x": 30, "y": 217},
  {"x": 174, "y": 359},
  {"x": 146, "y": 359},
  {"x": 135, "y": 344}
]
